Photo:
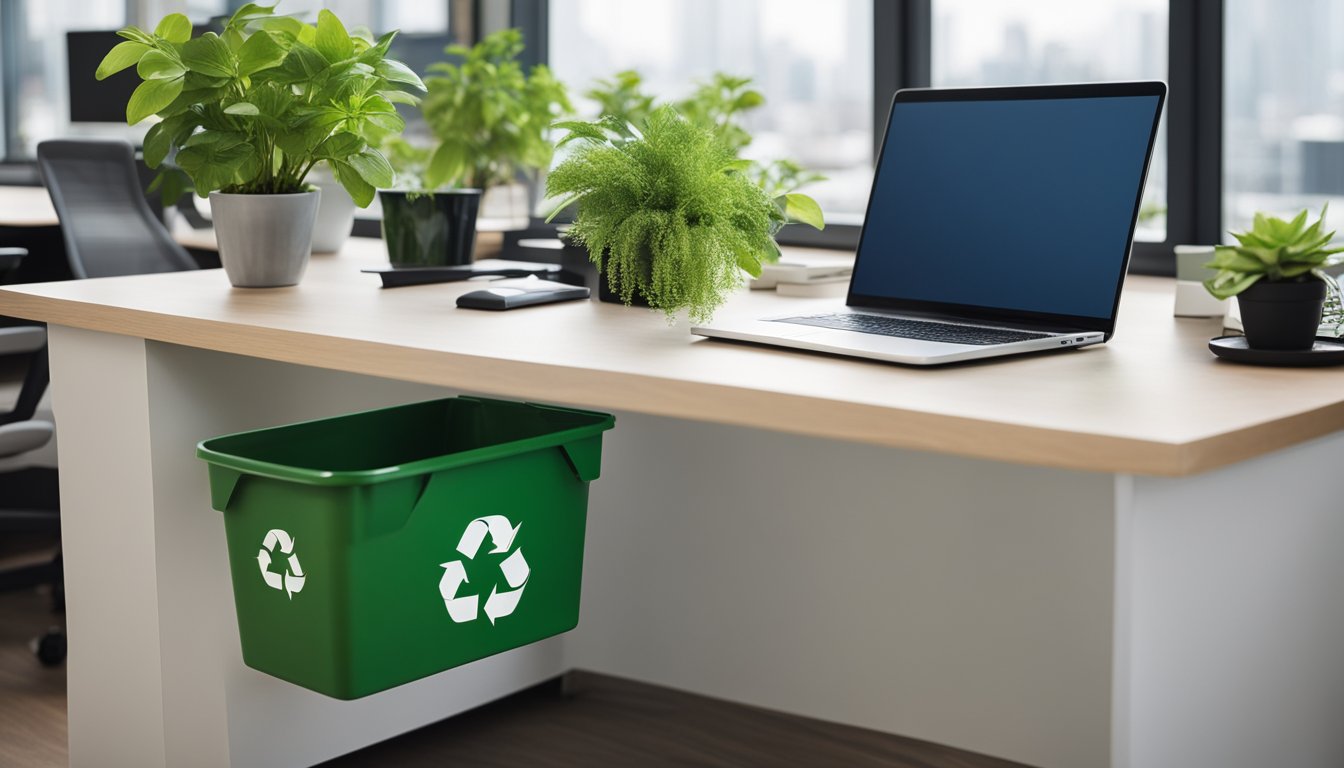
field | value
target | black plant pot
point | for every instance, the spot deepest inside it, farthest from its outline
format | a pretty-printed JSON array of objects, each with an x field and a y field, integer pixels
[
  {"x": 430, "y": 229},
  {"x": 604, "y": 291},
  {"x": 1282, "y": 315}
]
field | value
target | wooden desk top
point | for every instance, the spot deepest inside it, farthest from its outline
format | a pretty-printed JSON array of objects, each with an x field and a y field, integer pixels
[
  {"x": 1153, "y": 401},
  {"x": 26, "y": 207}
]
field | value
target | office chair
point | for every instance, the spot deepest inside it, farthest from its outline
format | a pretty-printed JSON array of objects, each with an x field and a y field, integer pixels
[
  {"x": 29, "y": 500},
  {"x": 108, "y": 227},
  {"x": 109, "y": 230}
]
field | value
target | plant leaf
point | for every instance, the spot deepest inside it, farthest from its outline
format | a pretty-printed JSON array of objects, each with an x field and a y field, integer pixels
[
  {"x": 150, "y": 97},
  {"x": 209, "y": 55},
  {"x": 372, "y": 167},
  {"x": 249, "y": 12},
  {"x": 214, "y": 163},
  {"x": 333, "y": 42},
  {"x": 800, "y": 207},
  {"x": 302, "y": 64},
  {"x": 447, "y": 164},
  {"x": 1226, "y": 290},
  {"x": 396, "y": 72},
  {"x": 360, "y": 190},
  {"x": 157, "y": 65},
  {"x": 258, "y": 52},
  {"x": 175, "y": 28},
  {"x": 241, "y": 108},
  {"x": 124, "y": 54}
]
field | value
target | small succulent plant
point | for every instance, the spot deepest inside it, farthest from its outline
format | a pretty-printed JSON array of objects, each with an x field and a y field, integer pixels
[{"x": 1275, "y": 250}]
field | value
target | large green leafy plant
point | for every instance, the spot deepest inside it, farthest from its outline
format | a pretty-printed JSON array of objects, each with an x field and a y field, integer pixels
[
  {"x": 668, "y": 214},
  {"x": 252, "y": 110},
  {"x": 490, "y": 117},
  {"x": 1273, "y": 249}
]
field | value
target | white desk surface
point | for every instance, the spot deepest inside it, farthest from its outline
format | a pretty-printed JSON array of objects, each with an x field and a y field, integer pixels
[
  {"x": 26, "y": 207},
  {"x": 1153, "y": 401}
]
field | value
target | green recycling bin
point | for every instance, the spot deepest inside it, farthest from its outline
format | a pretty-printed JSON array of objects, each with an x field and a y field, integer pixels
[{"x": 373, "y": 549}]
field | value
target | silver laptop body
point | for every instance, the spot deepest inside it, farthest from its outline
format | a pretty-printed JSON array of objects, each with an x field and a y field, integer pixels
[{"x": 1000, "y": 223}]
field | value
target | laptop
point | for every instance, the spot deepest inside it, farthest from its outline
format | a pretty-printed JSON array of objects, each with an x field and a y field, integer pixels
[{"x": 1000, "y": 222}]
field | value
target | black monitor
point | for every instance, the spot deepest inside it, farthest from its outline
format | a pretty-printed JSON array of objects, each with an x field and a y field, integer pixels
[
  {"x": 91, "y": 100},
  {"x": 95, "y": 101}
]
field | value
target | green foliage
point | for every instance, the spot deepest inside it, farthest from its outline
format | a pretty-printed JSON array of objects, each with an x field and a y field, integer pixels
[
  {"x": 410, "y": 163},
  {"x": 252, "y": 110},
  {"x": 620, "y": 97},
  {"x": 671, "y": 209},
  {"x": 720, "y": 103},
  {"x": 717, "y": 105},
  {"x": 782, "y": 177},
  {"x": 1273, "y": 249},
  {"x": 489, "y": 116}
]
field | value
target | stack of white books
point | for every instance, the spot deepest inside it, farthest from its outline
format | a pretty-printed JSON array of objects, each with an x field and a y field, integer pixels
[{"x": 813, "y": 275}]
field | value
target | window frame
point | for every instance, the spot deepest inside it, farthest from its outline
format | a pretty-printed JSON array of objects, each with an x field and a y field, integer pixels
[{"x": 902, "y": 58}]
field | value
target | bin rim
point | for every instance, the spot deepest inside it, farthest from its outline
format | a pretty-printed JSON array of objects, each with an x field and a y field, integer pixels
[{"x": 323, "y": 477}]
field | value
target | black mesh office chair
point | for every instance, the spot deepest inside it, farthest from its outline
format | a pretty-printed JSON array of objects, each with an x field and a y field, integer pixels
[
  {"x": 108, "y": 226},
  {"x": 29, "y": 499},
  {"x": 109, "y": 230}
]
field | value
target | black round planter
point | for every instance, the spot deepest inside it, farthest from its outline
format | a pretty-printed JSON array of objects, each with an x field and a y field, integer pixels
[
  {"x": 605, "y": 293},
  {"x": 1282, "y": 315},
  {"x": 430, "y": 229}
]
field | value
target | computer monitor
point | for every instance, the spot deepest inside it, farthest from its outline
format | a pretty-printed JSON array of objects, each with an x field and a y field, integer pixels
[
  {"x": 91, "y": 100},
  {"x": 102, "y": 101}
]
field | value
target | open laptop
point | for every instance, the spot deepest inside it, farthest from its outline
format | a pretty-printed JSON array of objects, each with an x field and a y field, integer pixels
[{"x": 1000, "y": 222}]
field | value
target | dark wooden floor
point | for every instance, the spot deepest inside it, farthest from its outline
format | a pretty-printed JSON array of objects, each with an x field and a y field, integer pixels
[
  {"x": 607, "y": 721},
  {"x": 32, "y": 697},
  {"x": 599, "y": 721}
]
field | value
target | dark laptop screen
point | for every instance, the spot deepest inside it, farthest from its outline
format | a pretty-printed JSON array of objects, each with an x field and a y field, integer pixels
[{"x": 1012, "y": 204}]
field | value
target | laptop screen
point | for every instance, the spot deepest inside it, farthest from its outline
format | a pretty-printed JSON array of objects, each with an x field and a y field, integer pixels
[{"x": 1007, "y": 203}]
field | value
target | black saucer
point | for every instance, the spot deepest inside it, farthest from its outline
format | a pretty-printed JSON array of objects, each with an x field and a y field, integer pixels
[{"x": 1323, "y": 352}]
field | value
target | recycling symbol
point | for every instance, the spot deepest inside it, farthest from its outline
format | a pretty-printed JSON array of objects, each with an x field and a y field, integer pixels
[
  {"x": 292, "y": 579},
  {"x": 502, "y": 533}
]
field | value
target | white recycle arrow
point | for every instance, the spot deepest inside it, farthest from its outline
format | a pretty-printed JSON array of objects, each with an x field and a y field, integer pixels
[
  {"x": 293, "y": 579},
  {"x": 514, "y": 567},
  {"x": 460, "y": 609},
  {"x": 499, "y": 528}
]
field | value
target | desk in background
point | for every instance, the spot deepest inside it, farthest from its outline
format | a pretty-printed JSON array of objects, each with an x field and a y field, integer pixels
[{"x": 1076, "y": 559}]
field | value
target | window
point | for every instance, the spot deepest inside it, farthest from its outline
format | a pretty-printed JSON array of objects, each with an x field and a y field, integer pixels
[
  {"x": 1283, "y": 124},
  {"x": 987, "y": 42},
  {"x": 37, "y": 103},
  {"x": 812, "y": 61}
]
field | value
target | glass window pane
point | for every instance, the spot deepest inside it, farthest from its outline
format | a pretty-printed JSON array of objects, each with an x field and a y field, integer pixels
[
  {"x": 812, "y": 61},
  {"x": 1283, "y": 109},
  {"x": 43, "y": 102},
  {"x": 989, "y": 42}
]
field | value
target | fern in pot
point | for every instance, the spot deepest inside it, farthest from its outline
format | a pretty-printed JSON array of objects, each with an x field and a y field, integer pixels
[
  {"x": 249, "y": 112},
  {"x": 667, "y": 212},
  {"x": 1276, "y": 272}
]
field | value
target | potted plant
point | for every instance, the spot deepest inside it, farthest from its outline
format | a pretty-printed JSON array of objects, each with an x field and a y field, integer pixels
[
  {"x": 424, "y": 226},
  {"x": 491, "y": 119},
  {"x": 1275, "y": 271},
  {"x": 669, "y": 215},
  {"x": 249, "y": 112}
]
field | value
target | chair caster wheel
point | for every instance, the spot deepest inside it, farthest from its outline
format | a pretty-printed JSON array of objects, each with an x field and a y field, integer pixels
[{"x": 50, "y": 647}]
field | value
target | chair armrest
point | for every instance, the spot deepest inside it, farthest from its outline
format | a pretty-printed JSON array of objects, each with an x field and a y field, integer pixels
[
  {"x": 22, "y": 339},
  {"x": 24, "y": 436},
  {"x": 10, "y": 258}
]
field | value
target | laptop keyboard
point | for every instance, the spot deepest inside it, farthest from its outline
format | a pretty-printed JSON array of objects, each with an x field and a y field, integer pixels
[{"x": 923, "y": 330}]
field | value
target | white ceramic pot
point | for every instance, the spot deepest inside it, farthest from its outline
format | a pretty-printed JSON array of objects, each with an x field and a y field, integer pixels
[
  {"x": 264, "y": 240},
  {"x": 335, "y": 214}
]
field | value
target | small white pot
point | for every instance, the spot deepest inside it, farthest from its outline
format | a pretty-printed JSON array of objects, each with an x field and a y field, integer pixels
[{"x": 335, "y": 214}]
